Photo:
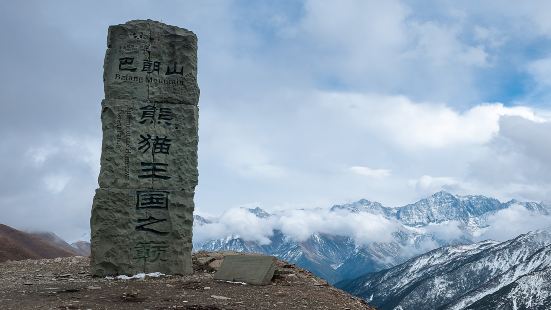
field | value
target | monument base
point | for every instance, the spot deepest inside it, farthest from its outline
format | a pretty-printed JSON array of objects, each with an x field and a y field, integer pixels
[{"x": 153, "y": 234}]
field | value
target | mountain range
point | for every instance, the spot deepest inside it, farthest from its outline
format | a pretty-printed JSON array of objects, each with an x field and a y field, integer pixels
[
  {"x": 436, "y": 258},
  {"x": 515, "y": 274},
  {"x": 421, "y": 227}
]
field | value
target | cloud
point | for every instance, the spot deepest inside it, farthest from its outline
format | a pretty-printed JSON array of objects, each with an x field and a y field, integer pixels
[
  {"x": 511, "y": 222},
  {"x": 541, "y": 69},
  {"x": 428, "y": 184},
  {"x": 51, "y": 188},
  {"x": 515, "y": 163},
  {"x": 366, "y": 228},
  {"x": 365, "y": 43},
  {"x": 369, "y": 172},
  {"x": 363, "y": 227},
  {"x": 40, "y": 155},
  {"x": 56, "y": 183},
  {"x": 237, "y": 222},
  {"x": 415, "y": 125},
  {"x": 448, "y": 231},
  {"x": 293, "y": 94},
  {"x": 298, "y": 225},
  {"x": 242, "y": 150}
]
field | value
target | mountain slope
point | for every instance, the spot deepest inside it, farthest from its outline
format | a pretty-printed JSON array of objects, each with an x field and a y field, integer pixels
[
  {"x": 18, "y": 245},
  {"x": 81, "y": 248},
  {"x": 485, "y": 275}
]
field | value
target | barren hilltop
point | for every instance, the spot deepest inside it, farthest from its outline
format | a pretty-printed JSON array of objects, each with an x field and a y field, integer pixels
[{"x": 65, "y": 283}]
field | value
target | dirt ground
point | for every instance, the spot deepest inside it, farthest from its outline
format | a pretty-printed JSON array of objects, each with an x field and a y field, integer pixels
[{"x": 65, "y": 283}]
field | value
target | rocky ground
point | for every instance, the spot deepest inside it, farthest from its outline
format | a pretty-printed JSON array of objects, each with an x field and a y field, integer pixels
[{"x": 65, "y": 283}]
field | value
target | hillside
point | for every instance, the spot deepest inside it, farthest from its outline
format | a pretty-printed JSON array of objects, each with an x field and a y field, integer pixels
[
  {"x": 65, "y": 283},
  {"x": 514, "y": 274},
  {"x": 18, "y": 245}
]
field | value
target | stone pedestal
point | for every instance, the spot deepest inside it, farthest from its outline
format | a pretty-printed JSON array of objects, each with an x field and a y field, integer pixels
[{"x": 142, "y": 214}]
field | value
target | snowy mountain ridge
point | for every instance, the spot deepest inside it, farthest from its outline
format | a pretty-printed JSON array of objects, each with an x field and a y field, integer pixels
[
  {"x": 419, "y": 227},
  {"x": 487, "y": 275}
]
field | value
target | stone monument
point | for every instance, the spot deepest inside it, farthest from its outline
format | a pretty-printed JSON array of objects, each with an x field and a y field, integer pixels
[{"x": 142, "y": 214}]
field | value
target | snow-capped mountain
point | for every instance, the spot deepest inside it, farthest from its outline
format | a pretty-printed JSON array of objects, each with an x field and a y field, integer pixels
[
  {"x": 514, "y": 274},
  {"x": 443, "y": 206},
  {"x": 336, "y": 257}
]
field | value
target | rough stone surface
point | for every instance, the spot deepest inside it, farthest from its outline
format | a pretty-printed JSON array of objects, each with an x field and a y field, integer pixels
[
  {"x": 141, "y": 44},
  {"x": 126, "y": 247},
  {"x": 125, "y": 145},
  {"x": 142, "y": 214},
  {"x": 252, "y": 269}
]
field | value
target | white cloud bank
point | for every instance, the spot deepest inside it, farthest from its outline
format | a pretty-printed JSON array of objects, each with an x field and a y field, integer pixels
[
  {"x": 509, "y": 223},
  {"x": 364, "y": 228},
  {"x": 414, "y": 125},
  {"x": 299, "y": 225}
]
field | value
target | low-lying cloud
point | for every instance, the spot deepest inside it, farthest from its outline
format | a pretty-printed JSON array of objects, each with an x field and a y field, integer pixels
[
  {"x": 513, "y": 221},
  {"x": 364, "y": 227},
  {"x": 298, "y": 225}
]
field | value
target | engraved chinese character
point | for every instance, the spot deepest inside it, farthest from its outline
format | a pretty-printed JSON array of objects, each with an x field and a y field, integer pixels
[
  {"x": 151, "y": 66},
  {"x": 145, "y": 143},
  {"x": 143, "y": 224},
  {"x": 174, "y": 70},
  {"x": 150, "y": 251},
  {"x": 125, "y": 64},
  {"x": 152, "y": 200},
  {"x": 161, "y": 145},
  {"x": 148, "y": 114},
  {"x": 153, "y": 171},
  {"x": 166, "y": 115}
]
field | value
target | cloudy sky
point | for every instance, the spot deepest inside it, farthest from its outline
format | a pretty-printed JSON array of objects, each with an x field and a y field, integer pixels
[{"x": 303, "y": 103}]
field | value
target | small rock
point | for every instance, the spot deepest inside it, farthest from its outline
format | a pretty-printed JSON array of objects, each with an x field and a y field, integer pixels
[
  {"x": 71, "y": 290},
  {"x": 206, "y": 288},
  {"x": 131, "y": 296},
  {"x": 205, "y": 260},
  {"x": 215, "y": 264},
  {"x": 320, "y": 283},
  {"x": 279, "y": 294},
  {"x": 220, "y": 297}
]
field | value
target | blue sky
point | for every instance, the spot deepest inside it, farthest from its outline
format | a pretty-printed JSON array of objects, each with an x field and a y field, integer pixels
[{"x": 303, "y": 103}]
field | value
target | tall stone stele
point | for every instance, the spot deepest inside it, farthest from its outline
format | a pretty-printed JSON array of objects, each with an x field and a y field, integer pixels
[{"x": 142, "y": 213}]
